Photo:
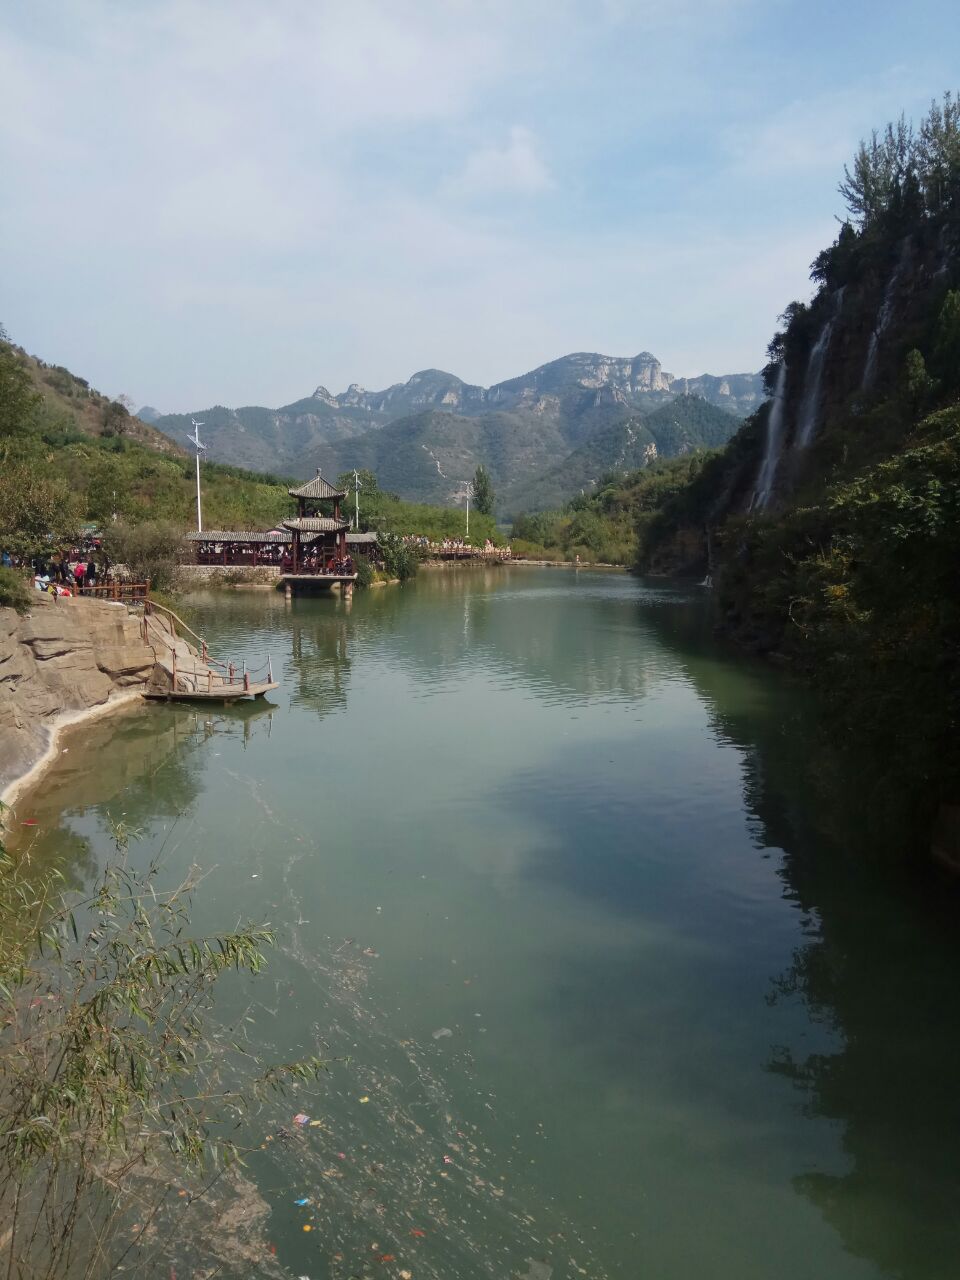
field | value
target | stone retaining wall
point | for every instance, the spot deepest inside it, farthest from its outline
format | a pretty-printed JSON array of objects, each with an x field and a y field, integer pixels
[
  {"x": 64, "y": 658},
  {"x": 229, "y": 574}
]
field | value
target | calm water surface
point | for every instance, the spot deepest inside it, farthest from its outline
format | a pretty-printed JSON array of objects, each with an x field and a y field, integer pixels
[{"x": 564, "y": 881}]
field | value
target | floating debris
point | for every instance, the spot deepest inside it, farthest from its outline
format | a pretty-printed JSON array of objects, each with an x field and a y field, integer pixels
[{"x": 441, "y": 1033}]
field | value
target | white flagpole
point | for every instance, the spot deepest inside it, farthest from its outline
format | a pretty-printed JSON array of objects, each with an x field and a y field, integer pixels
[{"x": 195, "y": 438}]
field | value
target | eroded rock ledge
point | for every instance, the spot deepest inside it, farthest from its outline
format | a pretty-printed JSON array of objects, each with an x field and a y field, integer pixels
[{"x": 64, "y": 658}]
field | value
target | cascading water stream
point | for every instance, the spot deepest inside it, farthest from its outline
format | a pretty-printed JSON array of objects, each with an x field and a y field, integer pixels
[
  {"x": 774, "y": 443},
  {"x": 884, "y": 315},
  {"x": 808, "y": 418}
]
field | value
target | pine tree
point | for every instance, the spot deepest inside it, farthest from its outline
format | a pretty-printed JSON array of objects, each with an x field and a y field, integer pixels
[{"x": 483, "y": 496}]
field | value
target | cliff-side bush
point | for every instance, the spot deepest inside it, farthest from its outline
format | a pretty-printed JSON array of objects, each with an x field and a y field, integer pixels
[{"x": 14, "y": 591}]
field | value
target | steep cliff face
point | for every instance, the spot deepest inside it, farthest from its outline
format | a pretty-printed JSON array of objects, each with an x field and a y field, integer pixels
[
  {"x": 831, "y": 522},
  {"x": 840, "y": 358},
  {"x": 63, "y": 658}
]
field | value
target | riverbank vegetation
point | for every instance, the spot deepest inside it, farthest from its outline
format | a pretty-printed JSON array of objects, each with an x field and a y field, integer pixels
[
  {"x": 609, "y": 524},
  {"x": 118, "y": 1088},
  {"x": 387, "y": 513}
]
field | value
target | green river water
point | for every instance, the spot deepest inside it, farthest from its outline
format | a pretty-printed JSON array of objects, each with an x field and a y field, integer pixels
[{"x": 687, "y": 1026}]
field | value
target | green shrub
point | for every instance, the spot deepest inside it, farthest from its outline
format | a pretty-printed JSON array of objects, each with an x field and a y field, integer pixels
[
  {"x": 14, "y": 591},
  {"x": 151, "y": 551},
  {"x": 364, "y": 573},
  {"x": 399, "y": 559}
]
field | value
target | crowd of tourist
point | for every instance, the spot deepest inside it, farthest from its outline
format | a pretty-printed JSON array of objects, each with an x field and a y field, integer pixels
[
  {"x": 457, "y": 548},
  {"x": 62, "y": 573},
  {"x": 315, "y": 562}
]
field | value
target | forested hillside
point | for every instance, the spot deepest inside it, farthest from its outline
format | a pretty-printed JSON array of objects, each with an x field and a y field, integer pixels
[
  {"x": 425, "y": 436},
  {"x": 70, "y": 455},
  {"x": 830, "y": 522},
  {"x": 686, "y": 424}
]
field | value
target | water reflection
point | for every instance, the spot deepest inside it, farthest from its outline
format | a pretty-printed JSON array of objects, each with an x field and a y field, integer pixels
[
  {"x": 138, "y": 767},
  {"x": 877, "y": 970},
  {"x": 319, "y": 660},
  {"x": 563, "y": 646},
  {"x": 614, "y": 862}
]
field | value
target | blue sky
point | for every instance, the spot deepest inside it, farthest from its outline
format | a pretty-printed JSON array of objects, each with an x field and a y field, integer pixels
[{"x": 227, "y": 201}]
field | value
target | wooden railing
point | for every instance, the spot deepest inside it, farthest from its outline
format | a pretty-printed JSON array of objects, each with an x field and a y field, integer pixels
[
  {"x": 153, "y": 606},
  {"x": 233, "y": 673},
  {"x": 114, "y": 590}
]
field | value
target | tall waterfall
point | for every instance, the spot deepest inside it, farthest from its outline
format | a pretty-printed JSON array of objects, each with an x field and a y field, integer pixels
[
  {"x": 808, "y": 416},
  {"x": 884, "y": 315},
  {"x": 773, "y": 448}
]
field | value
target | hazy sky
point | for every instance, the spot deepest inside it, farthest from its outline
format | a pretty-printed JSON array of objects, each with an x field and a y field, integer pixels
[{"x": 233, "y": 200}]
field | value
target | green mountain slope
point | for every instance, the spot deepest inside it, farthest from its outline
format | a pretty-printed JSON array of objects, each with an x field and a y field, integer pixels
[
  {"x": 685, "y": 424},
  {"x": 551, "y": 411},
  {"x": 70, "y": 455}
]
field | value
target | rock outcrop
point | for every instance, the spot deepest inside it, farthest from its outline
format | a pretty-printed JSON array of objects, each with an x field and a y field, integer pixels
[{"x": 62, "y": 659}]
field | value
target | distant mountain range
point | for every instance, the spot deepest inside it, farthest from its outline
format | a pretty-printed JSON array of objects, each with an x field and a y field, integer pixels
[{"x": 542, "y": 436}]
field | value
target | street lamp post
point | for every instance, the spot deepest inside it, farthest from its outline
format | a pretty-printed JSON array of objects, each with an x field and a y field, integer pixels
[
  {"x": 195, "y": 440},
  {"x": 356, "y": 499},
  {"x": 467, "y": 492}
]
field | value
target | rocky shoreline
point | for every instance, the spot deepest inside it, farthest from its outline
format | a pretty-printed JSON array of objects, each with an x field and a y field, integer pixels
[{"x": 64, "y": 661}]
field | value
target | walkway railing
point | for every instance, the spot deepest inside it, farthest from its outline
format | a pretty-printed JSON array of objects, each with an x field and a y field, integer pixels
[
  {"x": 153, "y": 606},
  {"x": 204, "y": 678},
  {"x": 114, "y": 590}
]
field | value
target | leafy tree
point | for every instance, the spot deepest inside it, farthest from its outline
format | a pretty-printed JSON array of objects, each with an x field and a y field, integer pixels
[
  {"x": 36, "y": 506},
  {"x": 108, "y": 495},
  {"x": 151, "y": 550},
  {"x": 400, "y": 560},
  {"x": 483, "y": 497},
  {"x": 18, "y": 399},
  {"x": 880, "y": 169},
  {"x": 115, "y": 418},
  {"x": 917, "y": 384},
  {"x": 938, "y": 152},
  {"x": 945, "y": 357}
]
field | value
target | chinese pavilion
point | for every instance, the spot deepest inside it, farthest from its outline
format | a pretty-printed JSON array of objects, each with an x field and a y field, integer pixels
[{"x": 318, "y": 537}]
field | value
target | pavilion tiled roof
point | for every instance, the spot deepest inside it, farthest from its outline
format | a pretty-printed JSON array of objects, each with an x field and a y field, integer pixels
[
  {"x": 314, "y": 524},
  {"x": 317, "y": 489},
  {"x": 237, "y": 535}
]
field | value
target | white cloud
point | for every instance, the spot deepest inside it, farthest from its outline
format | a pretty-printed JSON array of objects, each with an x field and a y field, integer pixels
[
  {"x": 819, "y": 133},
  {"x": 491, "y": 170},
  {"x": 233, "y": 201}
]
